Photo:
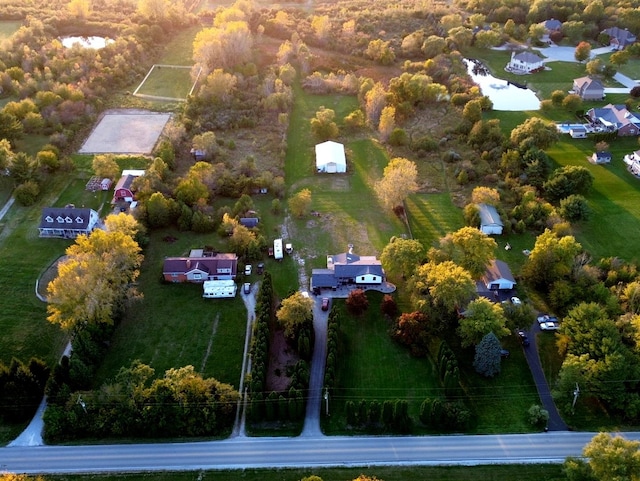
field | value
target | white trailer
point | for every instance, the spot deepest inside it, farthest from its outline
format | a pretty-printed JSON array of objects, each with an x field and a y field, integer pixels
[
  {"x": 218, "y": 289},
  {"x": 277, "y": 249}
]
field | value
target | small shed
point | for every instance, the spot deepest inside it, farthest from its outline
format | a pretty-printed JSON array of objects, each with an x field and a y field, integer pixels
[
  {"x": 600, "y": 158},
  {"x": 578, "y": 132},
  {"x": 490, "y": 222},
  {"x": 105, "y": 184},
  {"x": 330, "y": 157}
]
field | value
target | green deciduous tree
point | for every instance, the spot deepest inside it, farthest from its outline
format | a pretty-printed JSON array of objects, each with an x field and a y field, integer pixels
[
  {"x": 105, "y": 166},
  {"x": 295, "y": 313},
  {"x": 469, "y": 248},
  {"x": 534, "y": 132},
  {"x": 323, "y": 126},
  {"x": 398, "y": 181},
  {"x": 479, "y": 319},
  {"x": 402, "y": 256},
  {"x": 300, "y": 202},
  {"x": 444, "y": 285},
  {"x": 608, "y": 458},
  {"x": 551, "y": 259}
]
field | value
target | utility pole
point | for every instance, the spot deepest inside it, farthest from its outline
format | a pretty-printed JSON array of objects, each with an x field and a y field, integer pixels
[{"x": 326, "y": 400}]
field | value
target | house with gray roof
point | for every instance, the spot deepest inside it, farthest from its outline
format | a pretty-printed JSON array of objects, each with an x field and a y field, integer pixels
[
  {"x": 525, "y": 62},
  {"x": 490, "y": 221},
  {"x": 67, "y": 222},
  {"x": 619, "y": 38},
  {"x": 200, "y": 267},
  {"x": 347, "y": 269},
  {"x": 612, "y": 118},
  {"x": 588, "y": 88},
  {"x": 497, "y": 277}
]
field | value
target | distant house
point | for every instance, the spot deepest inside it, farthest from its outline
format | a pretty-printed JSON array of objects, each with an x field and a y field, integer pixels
[
  {"x": 600, "y": 158},
  {"x": 199, "y": 267},
  {"x": 578, "y": 132},
  {"x": 619, "y": 38},
  {"x": 249, "y": 222},
  {"x": 67, "y": 222},
  {"x": 347, "y": 269},
  {"x": 490, "y": 222},
  {"x": 588, "y": 88},
  {"x": 330, "y": 158},
  {"x": 615, "y": 118},
  {"x": 550, "y": 26},
  {"x": 633, "y": 162},
  {"x": 525, "y": 62},
  {"x": 498, "y": 276}
]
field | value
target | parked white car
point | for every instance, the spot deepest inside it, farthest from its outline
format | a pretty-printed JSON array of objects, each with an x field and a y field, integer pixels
[
  {"x": 546, "y": 318},
  {"x": 549, "y": 326}
]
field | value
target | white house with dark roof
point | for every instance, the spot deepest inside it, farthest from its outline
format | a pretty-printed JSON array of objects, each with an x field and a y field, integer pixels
[
  {"x": 67, "y": 222},
  {"x": 498, "y": 276},
  {"x": 490, "y": 222},
  {"x": 348, "y": 269},
  {"x": 525, "y": 62}
]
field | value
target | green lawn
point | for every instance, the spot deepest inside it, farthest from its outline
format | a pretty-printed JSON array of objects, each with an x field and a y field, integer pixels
[
  {"x": 373, "y": 367},
  {"x": 173, "y": 325},
  {"x": 9, "y": 27},
  {"x": 614, "y": 200},
  {"x": 432, "y": 216},
  {"x": 180, "y": 50},
  {"x": 515, "y": 472},
  {"x": 168, "y": 82}
]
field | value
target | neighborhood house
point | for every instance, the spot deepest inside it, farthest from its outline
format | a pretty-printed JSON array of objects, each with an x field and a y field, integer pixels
[
  {"x": 588, "y": 88},
  {"x": 524, "y": 62},
  {"x": 330, "y": 157},
  {"x": 347, "y": 269},
  {"x": 490, "y": 222},
  {"x": 600, "y": 158},
  {"x": 122, "y": 191},
  {"x": 67, "y": 222},
  {"x": 614, "y": 118},
  {"x": 200, "y": 266},
  {"x": 497, "y": 277},
  {"x": 619, "y": 38}
]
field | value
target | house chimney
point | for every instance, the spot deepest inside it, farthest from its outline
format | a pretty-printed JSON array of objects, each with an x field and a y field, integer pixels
[
  {"x": 188, "y": 263},
  {"x": 350, "y": 246}
]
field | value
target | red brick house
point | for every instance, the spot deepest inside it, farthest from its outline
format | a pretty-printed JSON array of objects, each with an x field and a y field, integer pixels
[{"x": 200, "y": 267}]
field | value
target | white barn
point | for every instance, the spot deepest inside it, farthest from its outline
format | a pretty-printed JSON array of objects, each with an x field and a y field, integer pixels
[
  {"x": 498, "y": 276},
  {"x": 330, "y": 157},
  {"x": 218, "y": 289},
  {"x": 490, "y": 222}
]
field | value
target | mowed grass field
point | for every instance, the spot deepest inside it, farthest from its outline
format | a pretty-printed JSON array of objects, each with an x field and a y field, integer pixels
[
  {"x": 170, "y": 82},
  {"x": 9, "y": 27}
]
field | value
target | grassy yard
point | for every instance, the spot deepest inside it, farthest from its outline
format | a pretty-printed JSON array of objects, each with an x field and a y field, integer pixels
[
  {"x": 529, "y": 472},
  {"x": 372, "y": 367},
  {"x": 614, "y": 200},
  {"x": 168, "y": 82},
  {"x": 173, "y": 325},
  {"x": 432, "y": 216},
  {"x": 9, "y": 27}
]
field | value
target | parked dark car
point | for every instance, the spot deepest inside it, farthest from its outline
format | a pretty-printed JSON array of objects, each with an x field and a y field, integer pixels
[
  {"x": 504, "y": 353},
  {"x": 260, "y": 267},
  {"x": 524, "y": 339},
  {"x": 325, "y": 303}
]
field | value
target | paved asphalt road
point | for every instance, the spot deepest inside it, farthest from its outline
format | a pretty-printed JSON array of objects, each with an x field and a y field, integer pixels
[{"x": 309, "y": 452}]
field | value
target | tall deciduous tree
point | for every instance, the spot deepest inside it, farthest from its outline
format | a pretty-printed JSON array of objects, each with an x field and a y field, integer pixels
[
  {"x": 534, "y": 132},
  {"x": 485, "y": 195},
  {"x": 225, "y": 46},
  {"x": 300, "y": 202},
  {"x": 582, "y": 52},
  {"x": 322, "y": 125},
  {"x": 105, "y": 166},
  {"x": 468, "y": 247},
  {"x": 94, "y": 280},
  {"x": 444, "y": 285},
  {"x": 398, "y": 181},
  {"x": 481, "y": 318},
  {"x": 402, "y": 256},
  {"x": 294, "y": 313},
  {"x": 608, "y": 458},
  {"x": 551, "y": 259}
]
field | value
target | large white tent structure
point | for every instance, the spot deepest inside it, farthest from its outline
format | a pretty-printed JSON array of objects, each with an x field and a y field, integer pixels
[{"x": 330, "y": 157}]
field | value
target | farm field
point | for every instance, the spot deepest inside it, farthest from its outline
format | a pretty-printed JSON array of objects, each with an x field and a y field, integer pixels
[{"x": 9, "y": 27}]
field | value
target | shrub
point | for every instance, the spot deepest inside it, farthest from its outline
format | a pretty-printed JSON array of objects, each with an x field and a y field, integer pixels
[{"x": 27, "y": 193}]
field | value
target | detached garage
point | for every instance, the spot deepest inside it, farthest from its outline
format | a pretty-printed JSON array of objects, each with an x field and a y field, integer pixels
[
  {"x": 330, "y": 158},
  {"x": 490, "y": 222}
]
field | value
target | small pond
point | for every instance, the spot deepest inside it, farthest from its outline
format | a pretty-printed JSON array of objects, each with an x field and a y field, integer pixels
[
  {"x": 86, "y": 42},
  {"x": 504, "y": 95}
]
